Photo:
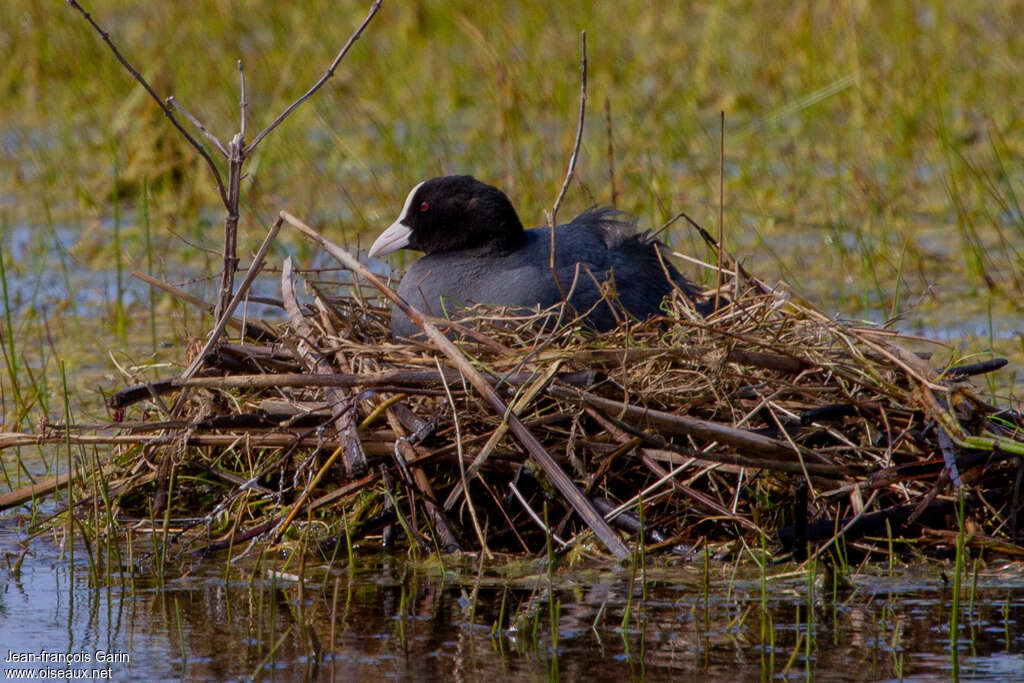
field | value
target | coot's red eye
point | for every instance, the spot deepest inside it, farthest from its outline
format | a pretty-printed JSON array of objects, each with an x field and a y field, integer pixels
[{"x": 424, "y": 206}]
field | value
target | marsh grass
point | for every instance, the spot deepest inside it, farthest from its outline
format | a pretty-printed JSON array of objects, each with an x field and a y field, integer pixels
[
  {"x": 10, "y": 352},
  {"x": 822, "y": 126}
]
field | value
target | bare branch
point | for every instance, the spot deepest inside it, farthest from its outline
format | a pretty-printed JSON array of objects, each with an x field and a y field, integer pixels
[
  {"x": 611, "y": 150},
  {"x": 553, "y": 215},
  {"x": 316, "y": 86},
  {"x": 156, "y": 98},
  {"x": 654, "y": 234},
  {"x": 236, "y": 158},
  {"x": 225, "y": 315},
  {"x": 198, "y": 124},
  {"x": 243, "y": 103},
  {"x": 579, "y": 127},
  {"x": 721, "y": 206}
]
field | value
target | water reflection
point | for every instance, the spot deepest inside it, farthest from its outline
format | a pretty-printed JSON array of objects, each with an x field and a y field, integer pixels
[{"x": 389, "y": 617}]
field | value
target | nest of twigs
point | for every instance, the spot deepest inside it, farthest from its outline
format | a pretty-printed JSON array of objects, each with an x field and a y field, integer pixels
[{"x": 767, "y": 421}]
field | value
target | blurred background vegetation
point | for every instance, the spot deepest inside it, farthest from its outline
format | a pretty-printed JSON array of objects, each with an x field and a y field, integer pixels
[{"x": 873, "y": 150}]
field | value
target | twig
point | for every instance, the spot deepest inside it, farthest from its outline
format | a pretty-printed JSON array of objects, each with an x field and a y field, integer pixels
[
  {"x": 698, "y": 496},
  {"x": 306, "y": 492},
  {"x": 533, "y": 515},
  {"x": 553, "y": 214},
  {"x": 665, "y": 226},
  {"x": 462, "y": 465},
  {"x": 156, "y": 98},
  {"x": 404, "y": 381},
  {"x": 343, "y": 405},
  {"x": 611, "y": 150},
  {"x": 739, "y": 270},
  {"x": 265, "y": 440},
  {"x": 316, "y": 86},
  {"x": 248, "y": 329},
  {"x": 760, "y": 450},
  {"x": 721, "y": 206},
  {"x": 236, "y": 158},
  {"x": 236, "y": 151},
  {"x": 35, "y": 491},
  {"x": 198, "y": 124},
  {"x": 243, "y": 103},
  {"x": 225, "y": 318},
  {"x": 579, "y": 129},
  {"x": 520, "y": 405},
  {"x": 404, "y": 448}
]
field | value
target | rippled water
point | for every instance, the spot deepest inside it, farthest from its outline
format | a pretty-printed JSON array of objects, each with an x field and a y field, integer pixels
[{"x": 389, "y": 617}]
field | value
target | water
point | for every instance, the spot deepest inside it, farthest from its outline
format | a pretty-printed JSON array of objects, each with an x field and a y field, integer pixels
[{"x": 390, "y": 617}]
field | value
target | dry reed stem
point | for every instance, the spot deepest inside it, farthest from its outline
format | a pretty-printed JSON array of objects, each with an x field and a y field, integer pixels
[{"x": 553, "y": 214}]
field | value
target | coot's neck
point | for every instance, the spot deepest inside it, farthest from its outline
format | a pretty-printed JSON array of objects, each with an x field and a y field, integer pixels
[{"x": 508, "y": 236}]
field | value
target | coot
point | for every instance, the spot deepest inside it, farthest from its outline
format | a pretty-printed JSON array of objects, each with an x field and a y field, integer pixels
[{"x": 478, "y": 252}]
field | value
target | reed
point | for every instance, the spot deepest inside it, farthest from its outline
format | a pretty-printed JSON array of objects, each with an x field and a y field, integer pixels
[{"x": 10, "y": 352}]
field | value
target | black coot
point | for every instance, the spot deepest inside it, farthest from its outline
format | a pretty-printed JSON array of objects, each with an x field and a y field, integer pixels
[{"x": 478, "y": 252}]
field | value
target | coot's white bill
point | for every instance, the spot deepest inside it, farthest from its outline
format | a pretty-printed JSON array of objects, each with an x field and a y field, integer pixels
[
  {"x": 396, "y": 236},
  {"x": 392, "y": 239}
]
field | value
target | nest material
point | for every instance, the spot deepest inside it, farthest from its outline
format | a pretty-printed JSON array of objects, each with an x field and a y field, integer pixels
[{"x": 768, "y": 420}]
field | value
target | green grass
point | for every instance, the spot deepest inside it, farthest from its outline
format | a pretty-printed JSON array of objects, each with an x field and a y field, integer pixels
[{"x": 872, "y": 151}]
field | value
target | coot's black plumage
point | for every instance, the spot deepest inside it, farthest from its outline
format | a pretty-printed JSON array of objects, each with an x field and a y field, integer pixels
[{"x": 478, "y": 252}]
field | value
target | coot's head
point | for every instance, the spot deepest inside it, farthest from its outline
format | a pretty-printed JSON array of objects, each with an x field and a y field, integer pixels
[{"x": 453, "y": 213}]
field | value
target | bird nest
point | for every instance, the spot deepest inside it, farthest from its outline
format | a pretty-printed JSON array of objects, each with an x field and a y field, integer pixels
[{"x": 766, "y": 423}]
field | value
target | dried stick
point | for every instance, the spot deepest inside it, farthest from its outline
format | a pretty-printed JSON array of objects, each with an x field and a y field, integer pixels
[
  {"x": 35, "y": 491},
  {"x": 236, "y": 158},
  {"x": 537, "y": 451},
  {"x": 247, "y": 329},
  {"x": 198, "y": 124},
  {"x": 342, "y": 405},
  {"x": 156, "y": 98},
  {"x": 445, "y": 535},
  {"x": 646, "y": 457},
  {"x": 518, "y": 408},
  {"x": 462, "y": 467},
  {"x": 579, "y": 129},
  {"x": 611, "y": 150},
  {"x": 534, "y": 516},
  {"x": 553, "y": 214},
  {"x": 243, "y": 103},
  {"x": 759, "y": 450},
  {"x": 721, "y": 207},
  {"x": 225, "y": 318},
  {"x": 405, "y": 381},
  {"x": 698, "y": 496},
  {"x": 739, "y": 269},
  {"x": 304, "y": 496},
  {"x": 252, "y": 440},
  {"x": 238, "y": 152},
  {"x": 316, "y": 86}
]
